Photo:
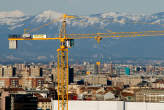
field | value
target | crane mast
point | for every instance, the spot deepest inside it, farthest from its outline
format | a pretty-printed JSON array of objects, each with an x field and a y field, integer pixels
[{"x": 62, "y": 69}]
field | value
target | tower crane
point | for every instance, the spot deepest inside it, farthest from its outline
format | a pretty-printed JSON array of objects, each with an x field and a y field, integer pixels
[{"x": 66, "y": 41}]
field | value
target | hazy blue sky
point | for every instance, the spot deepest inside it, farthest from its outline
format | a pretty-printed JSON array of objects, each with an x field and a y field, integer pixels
[{"x": 83, "y": 7}]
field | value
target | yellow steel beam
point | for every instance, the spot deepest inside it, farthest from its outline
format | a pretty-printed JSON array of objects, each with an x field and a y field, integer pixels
[
  {"x": 113, "y": 33},
  {"x": 90, "y": 37},
  {"x": 34, "y": 38}
]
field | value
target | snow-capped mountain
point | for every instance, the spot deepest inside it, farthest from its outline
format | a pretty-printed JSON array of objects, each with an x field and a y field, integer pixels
[
  {"x": 15, "y": 21},
  {"x": 11, "y": 18},
  {"x": 47, "y": 16},
  {"x": 11, "y": 14}
]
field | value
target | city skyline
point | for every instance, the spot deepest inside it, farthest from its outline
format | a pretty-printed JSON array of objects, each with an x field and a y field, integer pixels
[{"x": 124, "y": 72}]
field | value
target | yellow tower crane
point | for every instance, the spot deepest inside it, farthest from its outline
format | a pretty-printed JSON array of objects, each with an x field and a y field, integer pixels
[{"x": 66, "y": 41}]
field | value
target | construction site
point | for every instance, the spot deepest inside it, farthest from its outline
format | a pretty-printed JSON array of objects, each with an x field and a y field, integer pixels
[{"x": 67, "y": 41}]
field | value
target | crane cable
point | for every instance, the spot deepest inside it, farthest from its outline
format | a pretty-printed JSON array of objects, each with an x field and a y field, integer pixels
[{"x": 38, "y": 28}]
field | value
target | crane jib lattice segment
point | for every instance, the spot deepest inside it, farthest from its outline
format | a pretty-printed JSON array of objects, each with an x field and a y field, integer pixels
[{"x": 102, "y": 35}]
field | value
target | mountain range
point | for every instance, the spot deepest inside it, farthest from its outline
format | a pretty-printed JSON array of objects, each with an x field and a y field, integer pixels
[{"x": 14, "y": 22}]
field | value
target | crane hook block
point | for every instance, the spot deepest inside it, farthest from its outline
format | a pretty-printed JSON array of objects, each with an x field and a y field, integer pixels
[{"x": 98, "y": 38}]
